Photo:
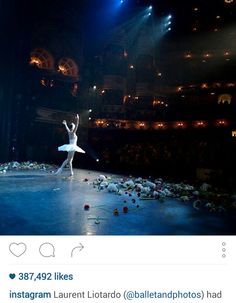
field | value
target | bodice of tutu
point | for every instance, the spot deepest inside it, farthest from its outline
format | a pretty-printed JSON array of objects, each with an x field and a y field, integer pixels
[{"x": 73, "y": 139}]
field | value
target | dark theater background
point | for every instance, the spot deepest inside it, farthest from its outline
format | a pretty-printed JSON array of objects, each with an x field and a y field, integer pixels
[{"x": 154, "y": 83}]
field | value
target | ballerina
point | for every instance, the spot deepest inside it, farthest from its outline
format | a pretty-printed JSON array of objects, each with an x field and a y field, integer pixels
[{"x": 72, "y": 147}]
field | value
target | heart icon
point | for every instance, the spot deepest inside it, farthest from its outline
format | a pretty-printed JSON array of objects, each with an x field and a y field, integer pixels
[
  {"x": 17, "y": 249},
  {"x": 12, "y": 276}
]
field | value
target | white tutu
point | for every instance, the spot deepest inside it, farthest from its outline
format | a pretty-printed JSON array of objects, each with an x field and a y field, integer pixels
[{"x": 71, "y": 147}]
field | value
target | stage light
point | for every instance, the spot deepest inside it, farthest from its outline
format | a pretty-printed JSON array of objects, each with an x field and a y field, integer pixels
[
  {"x": 200, "y": 123},
  {"x": 169, "y": 29},
  {"x": 149, "y": 14},
  {"x": 97, "y": 160},
  {"x": 94, "y": 87},
  {"x": 90, "y": 110},
  {"x": 122, "y": 1},
  {"x": 169, "y": 17},
  {"x": 188, "y": 56},
  {"x": 167, "y": 24},
  {"x": 150, "y": 7},
  {"x": 90, "y": 118},
  {"x": 221, "y": 122}
]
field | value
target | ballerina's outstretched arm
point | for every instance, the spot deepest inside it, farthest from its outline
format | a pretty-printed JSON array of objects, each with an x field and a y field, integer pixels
[
  {"x": 67, "y": 128},
  {"x": 77, "y": 123}
]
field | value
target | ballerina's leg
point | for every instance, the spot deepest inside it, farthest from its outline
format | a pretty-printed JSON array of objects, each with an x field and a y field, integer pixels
[
  {"x": 62, "y": 166},
  {"x": 70, "y": 160}
]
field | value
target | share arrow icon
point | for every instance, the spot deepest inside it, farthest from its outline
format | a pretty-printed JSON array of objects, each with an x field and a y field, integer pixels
[{"x": 76, "y": 250}]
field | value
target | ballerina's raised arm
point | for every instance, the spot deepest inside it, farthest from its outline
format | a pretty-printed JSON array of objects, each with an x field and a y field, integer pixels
[
  {"x": 66, "y": 126},
  {"x": 77, "y": 123}
]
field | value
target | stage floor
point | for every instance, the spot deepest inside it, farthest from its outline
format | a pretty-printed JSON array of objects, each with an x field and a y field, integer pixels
[{"x": 39, "y": 203}]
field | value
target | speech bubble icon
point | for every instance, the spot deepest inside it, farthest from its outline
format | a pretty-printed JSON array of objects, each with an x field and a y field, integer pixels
[{"x": 47, "y": 250}]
